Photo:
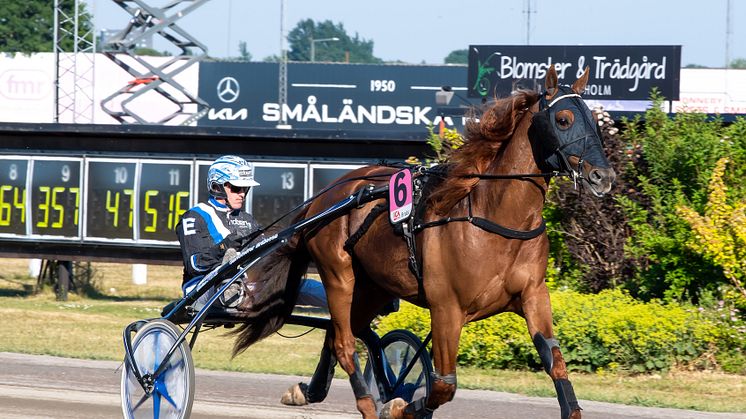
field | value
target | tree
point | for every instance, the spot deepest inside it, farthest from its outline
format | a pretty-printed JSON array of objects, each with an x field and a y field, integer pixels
[
  {"x": 28, "y": 26},
  {"x": 244, "y": 51},
  {"x": 588, "y": 234},
  {"x": 299, "y": 40},
  {"x": 678, "y": 157},
  {"x": 738, "y": 63},
  {"x": 459, "y": 56},
  {"x": 151, "y": 52}
]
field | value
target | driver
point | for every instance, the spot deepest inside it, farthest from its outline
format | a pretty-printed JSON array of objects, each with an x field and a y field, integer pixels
[{"x": 212, "y": 231}]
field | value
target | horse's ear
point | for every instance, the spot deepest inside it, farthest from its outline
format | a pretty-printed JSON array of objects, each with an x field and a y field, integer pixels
[
  {"x": 579, "y": 85},
  {"x": 550, "y": 84}
]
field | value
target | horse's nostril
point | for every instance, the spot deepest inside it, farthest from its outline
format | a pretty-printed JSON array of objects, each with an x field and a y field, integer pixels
[{"x": 595, "y": 176}]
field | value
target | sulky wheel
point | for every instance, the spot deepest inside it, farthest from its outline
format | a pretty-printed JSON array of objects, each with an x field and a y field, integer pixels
[
  {"x": 399, "y": 350},
  {"x": 173, "y": 390}
]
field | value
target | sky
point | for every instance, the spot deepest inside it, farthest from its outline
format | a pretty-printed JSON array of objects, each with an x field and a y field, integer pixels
[{"x": 426, "y": 31}]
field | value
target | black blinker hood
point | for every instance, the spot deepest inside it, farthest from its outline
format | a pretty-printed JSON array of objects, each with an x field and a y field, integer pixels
[{"x": 544, "y": 142}]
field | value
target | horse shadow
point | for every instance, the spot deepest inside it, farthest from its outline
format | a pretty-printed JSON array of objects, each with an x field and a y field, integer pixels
[
  {"x": 26, "y": 291},
  {"x": 96, "y": 294},
  {"x": 22, "y": 290}
]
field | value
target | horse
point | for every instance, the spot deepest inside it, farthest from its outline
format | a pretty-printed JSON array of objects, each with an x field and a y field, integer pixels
[{"x": 481, "y": 246}]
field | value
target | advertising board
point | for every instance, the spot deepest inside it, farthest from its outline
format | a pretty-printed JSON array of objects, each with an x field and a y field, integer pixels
[
  {"x": 345, "y": 97},
  {"x": 616, "y": 72}
]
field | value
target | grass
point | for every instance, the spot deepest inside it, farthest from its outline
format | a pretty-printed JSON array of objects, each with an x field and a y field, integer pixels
[{"x": 91, "y": 327}]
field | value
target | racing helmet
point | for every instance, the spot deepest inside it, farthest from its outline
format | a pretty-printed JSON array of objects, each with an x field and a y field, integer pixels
[{"x": 229, "y": 169}]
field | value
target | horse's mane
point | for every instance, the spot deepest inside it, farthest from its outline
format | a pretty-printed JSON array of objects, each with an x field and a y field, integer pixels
[{"x": 483, "y": 140}]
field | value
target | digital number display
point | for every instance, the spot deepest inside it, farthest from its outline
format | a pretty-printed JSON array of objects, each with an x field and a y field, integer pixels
[
  {"x": 55, "y": 197},
  {"x": 13, "y": 175},
  {"x": 110, "y": 205},
  {"x": 164, "y": 195},
  {"x": 132, "y": 200},
  {"x": 200, "y": 183},
  {"x": 323, "y": 176},
  {"x": 282, "y": 188}
]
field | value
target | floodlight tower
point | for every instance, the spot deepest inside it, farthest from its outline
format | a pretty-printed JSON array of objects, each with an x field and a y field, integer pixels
[{"x": 74, "y": 59}]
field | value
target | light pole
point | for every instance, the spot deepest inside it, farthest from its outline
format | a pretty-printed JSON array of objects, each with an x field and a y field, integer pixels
[
  {"x": 282, "y": 96},
  {"x": 728, "y": 32},
  {"x": 313, "y": 45}
]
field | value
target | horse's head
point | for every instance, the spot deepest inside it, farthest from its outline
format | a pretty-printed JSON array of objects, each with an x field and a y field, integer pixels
[{"x": 565, "y": 136}]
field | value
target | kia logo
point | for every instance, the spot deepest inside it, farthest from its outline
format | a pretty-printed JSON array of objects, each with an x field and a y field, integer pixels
[{"x": 228, "y": 89}]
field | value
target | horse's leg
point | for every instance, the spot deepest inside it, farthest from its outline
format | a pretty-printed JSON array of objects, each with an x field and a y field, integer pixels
[
  {"x": 346, "y": 287},
  {"x": 317, "y": 389},
  {"x": 538, "y": 313},
  {"x": 446, "y": 324},
  {"x": 339, "y": 286}
]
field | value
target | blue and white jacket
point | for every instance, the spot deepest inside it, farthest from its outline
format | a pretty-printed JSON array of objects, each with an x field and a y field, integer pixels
[{"x": 206, "y": 231}]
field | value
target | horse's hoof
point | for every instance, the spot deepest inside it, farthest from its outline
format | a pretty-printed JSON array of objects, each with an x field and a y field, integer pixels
[
  {"x": 393, "y": 409},
  {"x": 294, "y": 396}
]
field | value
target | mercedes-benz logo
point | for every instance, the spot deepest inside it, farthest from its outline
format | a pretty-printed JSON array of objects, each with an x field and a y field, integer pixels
[{"x": 228, "y": 89}]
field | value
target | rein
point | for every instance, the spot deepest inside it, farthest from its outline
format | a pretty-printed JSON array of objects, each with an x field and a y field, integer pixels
[
  {"x": 485, "y": 225},
  {"x": 517, "y": 176}
]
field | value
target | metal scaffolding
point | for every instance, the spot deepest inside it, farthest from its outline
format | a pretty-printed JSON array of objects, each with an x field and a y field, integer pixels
[
  {"x": 183, "y": 106},
  {"x": 74, "y": 59}
]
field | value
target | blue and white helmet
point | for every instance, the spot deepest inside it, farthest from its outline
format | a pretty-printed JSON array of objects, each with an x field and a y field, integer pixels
[{"x": 229, "y": 169}]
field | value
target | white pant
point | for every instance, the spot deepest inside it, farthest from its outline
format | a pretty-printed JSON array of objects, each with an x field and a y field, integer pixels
[{"x": 312, "y": 294}]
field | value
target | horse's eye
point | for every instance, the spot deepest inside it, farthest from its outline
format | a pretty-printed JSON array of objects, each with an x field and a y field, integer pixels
[{"x": 564, "y": 119}]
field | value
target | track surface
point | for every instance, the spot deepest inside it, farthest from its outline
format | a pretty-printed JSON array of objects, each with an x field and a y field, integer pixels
[{"x": 48, "y": 387}]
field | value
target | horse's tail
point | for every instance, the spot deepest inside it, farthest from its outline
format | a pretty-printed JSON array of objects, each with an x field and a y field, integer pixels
[{"x": 277, "y": 279}]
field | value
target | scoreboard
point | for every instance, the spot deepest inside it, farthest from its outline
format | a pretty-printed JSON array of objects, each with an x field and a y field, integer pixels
[{"x": 132, "y": 201}]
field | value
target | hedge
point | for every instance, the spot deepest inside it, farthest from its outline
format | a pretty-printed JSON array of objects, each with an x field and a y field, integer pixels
[{"x": 609, "y": 331}]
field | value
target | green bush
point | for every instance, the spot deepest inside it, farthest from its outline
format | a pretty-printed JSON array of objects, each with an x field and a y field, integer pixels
[
  {"x": 635, "y": 239},
  {"x": 678, "y": 156},
  {"x": 610, "y": 331}
]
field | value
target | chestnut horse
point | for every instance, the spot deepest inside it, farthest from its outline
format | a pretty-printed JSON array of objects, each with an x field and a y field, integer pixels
[{"x": 489, "y": 257}]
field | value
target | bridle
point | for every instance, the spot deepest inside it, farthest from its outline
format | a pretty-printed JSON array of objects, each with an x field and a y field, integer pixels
[{"x": 558, "y": 159}]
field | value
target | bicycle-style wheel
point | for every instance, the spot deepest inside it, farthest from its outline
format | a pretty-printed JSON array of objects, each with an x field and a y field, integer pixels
[
  {"x": 173, "y": 390},
  {"x": 399, "y": 349}
]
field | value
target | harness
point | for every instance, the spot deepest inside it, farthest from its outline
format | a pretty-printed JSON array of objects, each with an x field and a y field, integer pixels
[
  {"x": 485, "y": 225},
  {"x": 426, "y": 180}
]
